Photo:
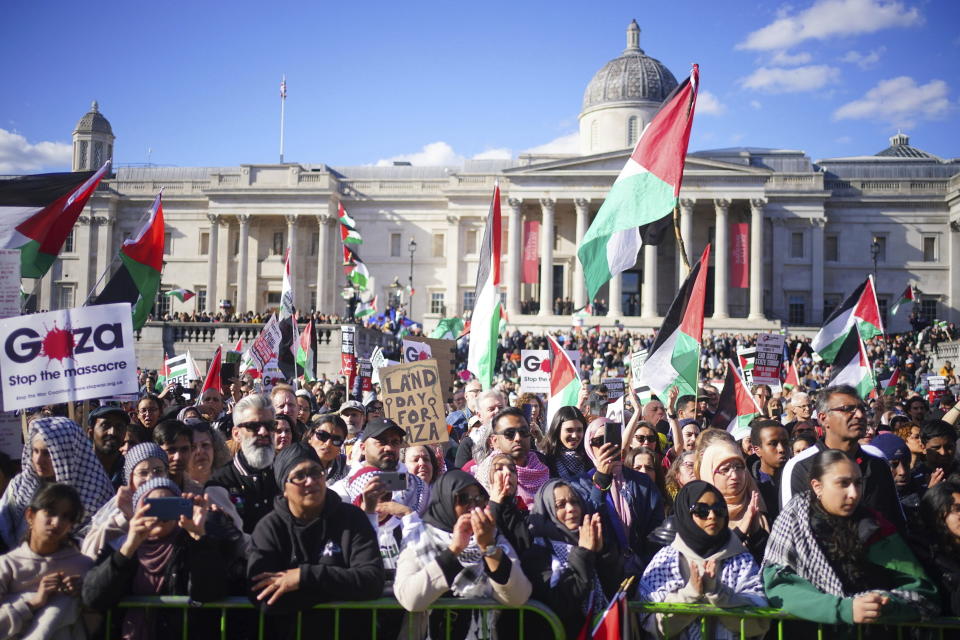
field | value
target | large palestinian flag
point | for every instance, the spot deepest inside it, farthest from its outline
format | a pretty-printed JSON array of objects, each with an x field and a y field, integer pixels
[
  {"x": 674, "y": 358},
  {"x": 736, "y": 407},
  {"x": 852, "y": 366},
  {"x": 565, "y": 381},
  {"x": 859, "y": 310},
  {"x": 485, "y": 319},
  {"x": 637, "y": 208},
  {"x": 137, "y": 280},
  {"x": 37, "y": 213}
]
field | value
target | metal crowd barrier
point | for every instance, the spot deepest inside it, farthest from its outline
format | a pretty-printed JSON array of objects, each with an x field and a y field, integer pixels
[
  {"x": 940, "y": 628},
  {"x": 446, "y": 605}
]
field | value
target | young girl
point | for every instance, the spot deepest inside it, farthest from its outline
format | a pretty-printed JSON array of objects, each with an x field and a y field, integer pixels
[{"x": 40, "y": 580}]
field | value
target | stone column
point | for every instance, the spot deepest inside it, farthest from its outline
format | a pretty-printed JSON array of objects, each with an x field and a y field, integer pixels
[
  {"x": 323, "y": 239},
  {"x": 105, "y": 250},
  {"x": 242, "y": 302},
  {"x": 721, "y": 279},
  {"x": 452, "y": 296},
  {"x": 816, "y": 286},
  {"x": 213, "y": 247},
  {"x": 686, "y": 232},
  {"x": 648, "y": 309},
  {"x": 756, "y": 258},
  {"x": 83, "y": 247},
  {"x": 582, "y": 206},
  {"x": 778, "y": 248},
  {"x": 548, "y": 206},
  {"x": 514, "y": 257},
  {"x": 953, "y": 281},
  {"x": 615, "y": 308},
  {"x": 294, "y": 256}
]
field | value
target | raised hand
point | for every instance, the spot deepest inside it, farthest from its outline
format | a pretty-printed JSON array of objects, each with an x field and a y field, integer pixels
[
  {"x": 125, "y": 501},
  {"x": 751, "y": 520},
  {"x": 484, "y": 526},
  {"x": 591, "y": 533},
  {"x": 462, "y": 531},
  {"x": 696, "y": 580},
  {"x": 140, "y": 526},
  {"x": 371, "y": 495},
  {"x": 609, "y": 455}
]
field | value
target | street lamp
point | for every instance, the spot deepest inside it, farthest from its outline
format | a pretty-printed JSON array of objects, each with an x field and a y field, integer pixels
[
  {"x": 412, "y": 248},
  {"x": 875, "y": 254}
]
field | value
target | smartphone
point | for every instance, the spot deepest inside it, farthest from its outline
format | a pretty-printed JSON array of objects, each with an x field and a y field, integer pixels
[
  {"x": 528, "y": 412},
  {"x": 393, "y": 480},
  {"x": 612, "y": 434},
  {"x": 170, "y": 508}
]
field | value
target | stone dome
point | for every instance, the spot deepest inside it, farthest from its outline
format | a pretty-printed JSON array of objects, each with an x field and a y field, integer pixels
[
  {"x": 633, "y": 77},
  {"x": 94, "y": 122}
]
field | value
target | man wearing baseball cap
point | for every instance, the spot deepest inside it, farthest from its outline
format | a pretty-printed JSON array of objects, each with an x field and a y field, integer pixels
[
  {"x": 107, "y": 428},
  {"x": 355, "y": 415}
]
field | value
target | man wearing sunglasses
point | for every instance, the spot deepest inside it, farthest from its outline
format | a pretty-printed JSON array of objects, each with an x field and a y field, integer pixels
[
  {"x": 844, "y": 418},
  {"x": 248, "y": 479},
  {"x": 512, "y": 436}
]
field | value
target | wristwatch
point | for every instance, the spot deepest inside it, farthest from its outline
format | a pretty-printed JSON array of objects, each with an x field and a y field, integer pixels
[{"x": 490, "y": 551}]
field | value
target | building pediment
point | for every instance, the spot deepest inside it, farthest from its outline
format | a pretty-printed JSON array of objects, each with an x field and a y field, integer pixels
[{"x": 613, "y": 161}]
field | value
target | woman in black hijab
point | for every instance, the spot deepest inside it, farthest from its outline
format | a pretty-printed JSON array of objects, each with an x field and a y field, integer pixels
[
  {"x": 457, "y": 552},
  {"x": 573, "y": 570},
  {"x": 703, "y": 564}
]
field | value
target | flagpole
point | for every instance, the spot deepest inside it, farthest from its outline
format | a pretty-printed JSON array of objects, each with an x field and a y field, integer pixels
[
  {"x": 680, "y": 244},
  {"x": 283, "y": 104}
]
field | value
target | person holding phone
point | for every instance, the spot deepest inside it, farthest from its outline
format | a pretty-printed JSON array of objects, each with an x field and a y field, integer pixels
[{"x": 164, "y": 553}]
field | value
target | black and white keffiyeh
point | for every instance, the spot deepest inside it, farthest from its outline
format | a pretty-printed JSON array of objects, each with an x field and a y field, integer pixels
[
  {"x": 570, "y": 465},
  {"x": 74, "y": 463},
  {"x": 472, "y": 581}
]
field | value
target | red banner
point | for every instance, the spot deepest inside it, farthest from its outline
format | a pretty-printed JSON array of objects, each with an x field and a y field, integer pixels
[
  {"x": 531, "y": 252},
  {"x": 740, "y": 255}
]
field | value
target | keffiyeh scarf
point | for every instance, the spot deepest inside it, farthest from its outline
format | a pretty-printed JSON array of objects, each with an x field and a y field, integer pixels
[
  {"x": 560, "y": 562},
  {"x": 570, "y": 465},
  {"x": 428, "y": 541},
  {"x": 531, "y": 477}
]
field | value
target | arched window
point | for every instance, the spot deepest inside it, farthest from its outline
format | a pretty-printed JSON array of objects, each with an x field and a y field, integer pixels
[{"x": 632, "y": 125}]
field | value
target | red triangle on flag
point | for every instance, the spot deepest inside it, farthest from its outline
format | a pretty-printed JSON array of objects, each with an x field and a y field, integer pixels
[
  {"x": 867, "y": 308},
  {"x": 692, "y": 323},
  {"x": 563, "y": 372},
  {"x": 212, "y": 381}
]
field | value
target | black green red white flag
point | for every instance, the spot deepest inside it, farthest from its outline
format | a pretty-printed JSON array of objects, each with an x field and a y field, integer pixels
[
  {"x": 674, "y": 358},
  {"x": 888, "y": 385},
  {"x": 736, "y": 406},
  {"x": 637, "y": 208},
  {"x": 860, "y": 310},
  {"x": 212, "y": 380},
  {"x": 180, "y": 294},
  {"x": 37, "y": 213},
  {"x": 908, "y": 296},
  {"x": 852, "y": 366},
  {"x": 306, "y": 354},
  {"x": 485, "y": 319},
  {"x": 565, "y": 383}
]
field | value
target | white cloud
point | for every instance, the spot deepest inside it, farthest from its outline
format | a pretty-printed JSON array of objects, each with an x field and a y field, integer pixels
[
  {"x": 899, "y": 102},
  {"x": 844, "y": 140},
  {"x": 435, "y": 154},
  {"x": 500, "y": 153},
  {"x": 785, "y": 59},
  {"x": 708, "y": 104},
  {"x": 864, "y": 60},
  {"x": 756, "y": 104},
  {"x": 828, "y": 19},
  {"x": 19, "y": 156},
  {"x": 780, "y": 80},
  {"x": 569, "y": 143}
]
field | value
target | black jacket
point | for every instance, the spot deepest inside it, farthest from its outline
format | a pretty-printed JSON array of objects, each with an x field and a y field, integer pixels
[
  {"x": 251, "y": 490},
  {"x": 769, "y": 489},
  {"x": 512, "y": 522}
]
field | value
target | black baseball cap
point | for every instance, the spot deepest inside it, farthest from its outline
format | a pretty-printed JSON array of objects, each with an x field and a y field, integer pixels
[
  {"x": 378, "y": 426},
  {"x": 107, "y": 410}
]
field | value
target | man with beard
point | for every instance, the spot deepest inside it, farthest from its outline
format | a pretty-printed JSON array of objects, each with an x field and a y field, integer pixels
[
  {"x": 512, "y": 436},
  {"x": 107, "y": 430},
  {"x": 355, "y": 415},
  {"x": 248, "y": 479}
]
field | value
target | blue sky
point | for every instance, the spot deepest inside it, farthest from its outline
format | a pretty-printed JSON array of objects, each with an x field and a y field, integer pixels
[{"x": 198, "y": 82}]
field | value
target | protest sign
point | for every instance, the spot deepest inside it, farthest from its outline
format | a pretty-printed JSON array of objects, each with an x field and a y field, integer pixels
[
  {"x": 266, "y": 345},
  {"x": 616, "y": 387},
  {"x": 412, "y": 397},
  {"x": 535, "y": 371},
  {"x": 768, "y": 360},
  {"x": 414, "y": 350},
  {"x": 936, "y": 383},
  {"x": 636, "y": 367},
  {"x": 67, "y": 355},
  {"x": 348, "y": 353},
  {"x": 9, "y": 283},
  {"x": 180, "y": 370},
  {"x": 11, "y": 435},
  {"x": 443, "y": 351}
]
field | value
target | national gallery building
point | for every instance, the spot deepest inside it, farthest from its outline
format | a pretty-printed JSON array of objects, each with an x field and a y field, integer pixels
[{"x": 792, "y": 235}]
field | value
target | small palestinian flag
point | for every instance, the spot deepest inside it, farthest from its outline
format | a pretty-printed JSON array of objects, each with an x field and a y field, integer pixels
[
  {"x": 306, "y": 357},
  {"x": 852, "y": 366},
  {"x": 888, "y": 385},
  {"x": 746, "y": 357},
  {"x": 212, "y": 381},
  {"x": 448, "y": 329},
  {"x": 565, "y": 381},
  {"x": 162, "y": 375},
  {"x": 674, "y": 358},
  {"x": 908, "y": 295},
  {"x": 180, "y": 294},
  {"x": 37, "y": 213},
  {"x": 859, "y": 310},
  {"x": 736, "y": 407},
  {"x": 138, "y": 278},
  {"x": 367, "y": 308},
  {"x": 793, "y": 379}
]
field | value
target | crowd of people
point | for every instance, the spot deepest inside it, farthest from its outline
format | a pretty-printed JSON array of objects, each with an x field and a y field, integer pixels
[{"x": 836, "y": 509}]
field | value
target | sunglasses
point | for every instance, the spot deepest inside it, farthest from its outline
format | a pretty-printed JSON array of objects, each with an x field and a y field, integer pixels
[
  {"x": 640, "y": 438},
  {"x": 511, "y": 434},
  {"x": 256, "y": 425},
  {"x": 301, "y": 477},
  {"x": 702, "y": 509},
  {"x": 596, "y": 442},
  {"x": 478, "y": 500},
  {"x": 323, "y": 436}
]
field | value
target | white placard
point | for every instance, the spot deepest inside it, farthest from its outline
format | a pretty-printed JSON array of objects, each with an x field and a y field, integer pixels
[
  {"x": 936, "y": 383},
  {"x": 636, "y": 367},
  {"x": 616, "y": 388},
  {"x": 181, "y": 370},
  {"x": 67, "y": 355},
  {"x": 534, "y": 371},
  {"x": 9, "y": 283},
  {"x": 11, "y": 435},
  {"x": 413, "y": 351},
  {"x": 769, "y": 359}
]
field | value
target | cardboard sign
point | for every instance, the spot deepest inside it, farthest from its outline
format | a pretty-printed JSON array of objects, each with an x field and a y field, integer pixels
[
  {"x": 444, "y": 352},
  {"x": 616, "y": 388},
  {"x": 67, "y": 355},
  {"x": 534, "y": 371},
  {"x": 769, "y": 360},
  {"x": 636, "y": 367},
  {"x": 9, "y": 283},
  {"x": 412, "y": 397}
]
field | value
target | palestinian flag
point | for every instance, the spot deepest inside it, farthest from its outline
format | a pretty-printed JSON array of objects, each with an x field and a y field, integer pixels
[
  {"x": 674, "y": 358},
  {"x": 859, "y": 310},
  {"x": 736, "y": 407},
  {"x": 355, "y": 269},
  {"x": 485, "y": 319},
  {"x": 793, "y": 379},
  {"x": 306, "y": 355},
  {"x": 212, "y": 381},
  {"x": 367, "y": 308},
  {"x": 637, "y": 208},
  {"x": 289, "y": 331},
  {"x": 448, "y": 329},
  {"x": 180, "y": 294},
  {"x": 908, "y": 295},
  {"x": 344, "y": 218},
  {"x": 852, "y": 366},
  {"x": 349, "y": 235},
  {"x": 137, "y": 280},
  {"x": 746, "y": 358},
  {"x": 162, "y": 375},
  {"x": 564, "y": 380},
  {"x": 614, "y": 622},
  {"x": 37, "y": 213}
]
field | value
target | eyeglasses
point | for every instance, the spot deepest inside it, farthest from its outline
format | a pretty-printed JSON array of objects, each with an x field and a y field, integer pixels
[
  {"x": 153, "y": 472},
  {"x": 849, "y": 408},
  {"x": 702, "y": 509},
  {"x": 256, "y": 425},
  {"x": 511, "y": 434},
  {"x": 323, "y": 436},
  {"x": 727, "y": 469},
  {"x": 477, "y": 500},
  {"x": 301, "y": 477},
  {"x": 640, "y": 438}
]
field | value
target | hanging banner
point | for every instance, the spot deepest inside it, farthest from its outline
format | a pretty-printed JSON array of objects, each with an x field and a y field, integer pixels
[
  {"x": 531, "y": 252},
  {"x": 740, "y": 255}
]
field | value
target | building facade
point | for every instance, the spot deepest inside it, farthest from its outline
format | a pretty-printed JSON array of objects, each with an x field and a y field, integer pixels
[{"x": 792, "y": 236}]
